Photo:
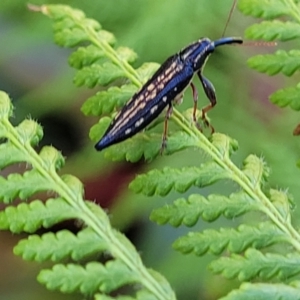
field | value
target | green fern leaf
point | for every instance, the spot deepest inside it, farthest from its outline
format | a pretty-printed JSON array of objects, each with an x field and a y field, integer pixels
[
  {"x": 233, "y": 240},
  {"x": 189, "y": 211},
  {"x": 158, "y": 182},
  {"x": 99, "y": 129},
  {"x": 256, "y": 264},
  {"x": 256, "y": 170},
  {"x": 98, "y": 75},
  {"x": 148, "y": 146},
  {"x": 29, "y": 132},
  {"x": 106, "y": 36},
  {"x": 105, "y": 102},
  {"x": 70, "y": 31},
  {"x": 263, "y": 291},
  {"x": 282, "y": 203},
  {"x": 85, "y": 56},
  {"x": 10, "y": 155},
  {"x": 23, "y": 186},
  {"x": 273, "y": 30},
  {"x": 36, "y": 214},
  {"x": 61, "y": 245},
  {"x": 146, "y": 70},
  {"x": 89, "y": 279},
  {"x": 126, "y": 54},
  {"x": 264, "y": 8},
  {"x": 224, "y": 144},
  {"x": 286, "y": 62},
  {"x": 70, "y": 37},
  {"x": 145, "y": 145},
  {"x": 287, "y": 97}
]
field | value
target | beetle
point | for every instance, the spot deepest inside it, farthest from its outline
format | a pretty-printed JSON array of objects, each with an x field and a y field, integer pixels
[{"x": 163, "y": 89}]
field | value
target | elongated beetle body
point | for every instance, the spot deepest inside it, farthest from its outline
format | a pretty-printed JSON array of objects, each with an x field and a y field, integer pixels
[{"x": 164, "y": 88}]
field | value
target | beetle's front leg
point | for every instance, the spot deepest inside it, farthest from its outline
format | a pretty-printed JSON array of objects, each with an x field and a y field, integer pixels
[
  {"x": 164, "y": 137},
  {"x": 211, "y": 95}
]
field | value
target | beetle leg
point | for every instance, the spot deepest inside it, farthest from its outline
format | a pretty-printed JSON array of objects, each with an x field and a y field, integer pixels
[
  {"x": 211, "y": 95},
  {"x": 195, "y": 98},
  {"x": 165, "y": 133},
  {"x": 178, "y": 99}
]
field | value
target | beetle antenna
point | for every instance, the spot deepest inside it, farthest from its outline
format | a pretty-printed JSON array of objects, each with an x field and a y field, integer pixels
[
  {"x": 259, "y": 43},
  {"x": 229, "y": 16}
]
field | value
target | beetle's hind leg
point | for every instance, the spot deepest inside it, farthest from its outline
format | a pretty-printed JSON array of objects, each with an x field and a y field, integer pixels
[{"x": 165, "y": 133}]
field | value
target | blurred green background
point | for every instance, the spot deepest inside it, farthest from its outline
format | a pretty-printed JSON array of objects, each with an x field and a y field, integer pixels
[{"x": 36, "y": 75}]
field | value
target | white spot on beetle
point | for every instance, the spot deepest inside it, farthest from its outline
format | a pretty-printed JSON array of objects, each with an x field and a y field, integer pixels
[
  {"x": 165, "y": 98},
  {"x": 127, "y": 131},
  {"x": 175, "y": 89},
  {"x": 139, "y": 122},
  {"x": 153, "y": 109}
]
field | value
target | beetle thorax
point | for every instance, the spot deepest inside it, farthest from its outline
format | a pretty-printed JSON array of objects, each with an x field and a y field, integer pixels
[{"x": 197, "y": 53}]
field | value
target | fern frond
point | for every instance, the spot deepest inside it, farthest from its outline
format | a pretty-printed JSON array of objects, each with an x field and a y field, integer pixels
[
  {"x": 106, "y": 102},
  {"x": 273, "y": 30},
  {"x": 256, "y": 264},
  {"x": 188, "y": 211},
  {"x": 29, "y": 217},
  {"x": 230, "y": 239},
  {"x": 285, "y": 62},
  {"x": 124, "y": 268},
  {"x": 61, "y": 245},
  {"x": 89, "y": 279},
  {"x": 161, "y": 182},
  {"x": 287, "y": 97}
]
